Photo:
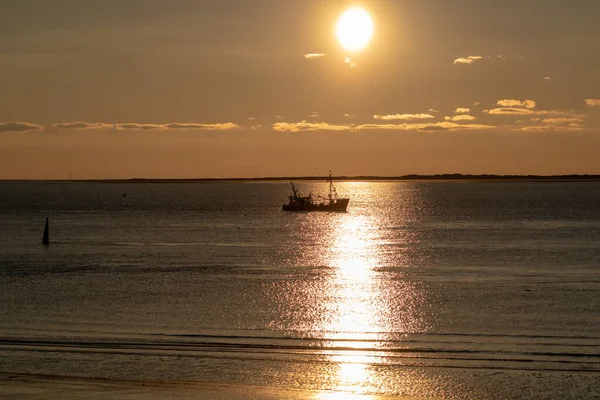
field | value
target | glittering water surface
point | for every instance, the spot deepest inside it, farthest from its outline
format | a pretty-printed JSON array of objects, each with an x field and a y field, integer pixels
[{"x": 448, "y": 290}]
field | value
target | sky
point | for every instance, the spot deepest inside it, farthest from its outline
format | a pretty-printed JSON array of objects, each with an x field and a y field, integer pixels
[{"x": 255, "y": 88}]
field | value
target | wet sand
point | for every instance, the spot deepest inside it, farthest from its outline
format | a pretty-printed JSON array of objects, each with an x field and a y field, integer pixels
[{"x": 27, "y": 386}]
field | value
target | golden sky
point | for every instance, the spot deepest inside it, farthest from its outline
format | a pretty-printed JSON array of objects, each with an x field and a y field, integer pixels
[{"x": 246, "y": 88}]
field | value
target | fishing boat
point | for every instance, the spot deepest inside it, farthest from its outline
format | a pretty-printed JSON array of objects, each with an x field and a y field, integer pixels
[{"x": 308, "y": 203}]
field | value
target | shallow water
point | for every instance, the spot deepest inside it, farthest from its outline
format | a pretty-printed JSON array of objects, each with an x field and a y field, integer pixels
[{"x": 449, "y": 290}]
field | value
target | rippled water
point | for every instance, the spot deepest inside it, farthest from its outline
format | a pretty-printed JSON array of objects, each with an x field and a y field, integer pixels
[{"x": 449, "y": 290}]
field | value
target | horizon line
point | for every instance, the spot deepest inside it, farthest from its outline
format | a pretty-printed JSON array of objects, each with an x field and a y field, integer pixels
[{"x": 409, "y": 177}]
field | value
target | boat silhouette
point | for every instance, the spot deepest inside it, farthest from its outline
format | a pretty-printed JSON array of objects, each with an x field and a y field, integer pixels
[{"x": 332, "y": 203}]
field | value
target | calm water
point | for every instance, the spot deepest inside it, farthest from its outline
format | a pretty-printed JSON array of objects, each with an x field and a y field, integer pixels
[{"x": 447, "y": 290}]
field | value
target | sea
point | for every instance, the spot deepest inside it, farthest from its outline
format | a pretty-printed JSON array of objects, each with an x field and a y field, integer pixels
[{"x": 421, "y": 290}]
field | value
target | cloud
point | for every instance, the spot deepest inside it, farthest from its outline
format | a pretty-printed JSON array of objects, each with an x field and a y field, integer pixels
[
  {"x": 476, "y": 103},
  {"x": 426, "y": 127},
  {"x": 516, "y": 103},
  {"x": 462, "y": 111},
  {"x": 573, "y": 127},
  {"x": 209, "y": 127},
  {"x": 305, "y": 126},
  {"x": 19, "y": 127},
  {"x": 563, "y": 120},
  {"x": 547, "y": 78},
  {"x": 348, "y": 115},
  {"x": 314, "y": 55},
  {"x": 178, "y": 126},
  {"x": 472, "y": 59},
  {"x": 431, "y": 110},
  {"x": 510, "y": 111},
  {"x": 82, "y": 125},
  {"x": 278, "y": 117},
  {"x": 592, "y": 102},
  {"x": 402, "y": 117},
  {"x": 349, "y": 61},
  {"x": 142, "y": 127},
  {"x": 468, "y": 60},
  {"x": 514, "y": 107},
  {"x": 313, "y": 114},
  {"x": 462, "y": 117},
  {"x": 528, "y": 111},
  {"x": 555, "y": 121}
]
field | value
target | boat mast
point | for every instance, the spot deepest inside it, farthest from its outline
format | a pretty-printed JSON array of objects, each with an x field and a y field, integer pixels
[
  {"x": 331, "y": 188},
  {"x": 294, "y": 190}
]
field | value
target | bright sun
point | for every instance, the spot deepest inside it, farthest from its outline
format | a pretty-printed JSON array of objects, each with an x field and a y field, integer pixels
[{"x": 354, "y": 29}]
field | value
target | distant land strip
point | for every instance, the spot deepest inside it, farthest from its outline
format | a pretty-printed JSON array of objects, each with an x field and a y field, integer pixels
[{"x": 357, "y": 178}]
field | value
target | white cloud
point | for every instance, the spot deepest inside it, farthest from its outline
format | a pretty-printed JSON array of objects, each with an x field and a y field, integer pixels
[
  {"x": 314, "y": 55},
  {"x": 516, "y": 103},
  {"x": 402, "y": 117},
  {"x": 431, "y": 110},
  {"x": 462, "y": 111},
  {"x": 462, "y": 117},
  {"x": 468, "y": 60},
  {"x": 348, "y": 115},
  {"x": 592, "y": 102},
  {"x": 19, "y": 127},
  {"x": 349, "y": 61},
  {"x": 476, "y": 103},
  {"x": 547, "y": 78},
  {"x": 313, "y": 114}
]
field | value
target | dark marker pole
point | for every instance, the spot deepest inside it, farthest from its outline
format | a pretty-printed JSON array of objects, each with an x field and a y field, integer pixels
[{"x": 46, "y": 238}]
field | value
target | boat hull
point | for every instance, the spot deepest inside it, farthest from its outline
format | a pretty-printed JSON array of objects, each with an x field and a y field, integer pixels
[{"x": 340, "y": 205}]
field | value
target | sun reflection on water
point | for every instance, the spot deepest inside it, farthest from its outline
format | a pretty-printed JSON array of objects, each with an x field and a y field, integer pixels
[
  {"x": 357, "y": 294},
  {"x": 356, "y": 300},
  {"x": 365, "y": 306}
]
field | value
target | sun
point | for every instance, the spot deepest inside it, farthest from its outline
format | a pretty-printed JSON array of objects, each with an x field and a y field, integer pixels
[{"x": 354, "y": 29}]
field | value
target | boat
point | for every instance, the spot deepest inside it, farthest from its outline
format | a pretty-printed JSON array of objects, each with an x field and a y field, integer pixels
[{"x": 332, "y": 203}]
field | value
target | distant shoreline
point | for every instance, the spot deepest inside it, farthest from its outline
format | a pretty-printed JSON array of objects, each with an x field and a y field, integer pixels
[{"x": 358, "y": 178}]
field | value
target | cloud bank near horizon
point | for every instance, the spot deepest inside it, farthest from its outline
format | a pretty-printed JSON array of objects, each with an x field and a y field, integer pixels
[
  {"x": 509, "y": 114},
  {"x": 305, "y": 126},
  {"x": 19, "y": 127},
  {"x": 82, "y": 125}
]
